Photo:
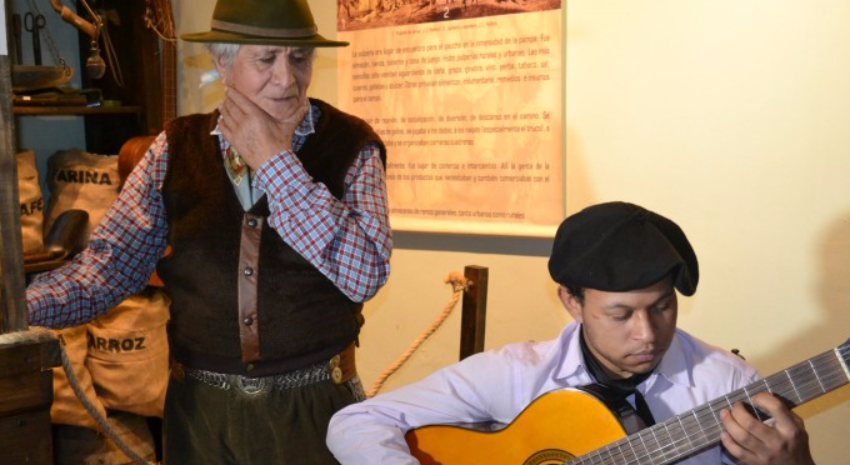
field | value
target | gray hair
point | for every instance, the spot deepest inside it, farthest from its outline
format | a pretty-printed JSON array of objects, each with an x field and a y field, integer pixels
[
  {"x": 227, "y": 52},
  {"x": 223, "y": 52}
]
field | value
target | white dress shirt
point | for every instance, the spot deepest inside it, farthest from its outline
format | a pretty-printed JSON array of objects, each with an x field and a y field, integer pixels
[{"x": 497, "y": 385}]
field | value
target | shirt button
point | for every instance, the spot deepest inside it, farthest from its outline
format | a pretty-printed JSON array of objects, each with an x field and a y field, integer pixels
[
  {"x": 250, "y": 367},
  {"x": 252, "y": 223},
  {"x": 248, "y": 321},
  {"x": 248, "y": 271}
]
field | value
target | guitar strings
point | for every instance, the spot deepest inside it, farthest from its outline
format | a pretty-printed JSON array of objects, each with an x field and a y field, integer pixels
[
  {"x": 829, "y": 378},
  {"x": 819, "y": 374}
]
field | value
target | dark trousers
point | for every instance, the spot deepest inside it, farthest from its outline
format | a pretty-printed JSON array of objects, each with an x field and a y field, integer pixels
[{"x": 206, "y": 425}]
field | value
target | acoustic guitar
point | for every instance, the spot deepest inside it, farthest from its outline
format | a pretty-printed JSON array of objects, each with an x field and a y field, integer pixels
[{"x": 577, "y": 427}]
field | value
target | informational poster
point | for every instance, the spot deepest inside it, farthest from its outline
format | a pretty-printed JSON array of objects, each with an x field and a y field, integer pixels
[{"x": 467, "y": 95}]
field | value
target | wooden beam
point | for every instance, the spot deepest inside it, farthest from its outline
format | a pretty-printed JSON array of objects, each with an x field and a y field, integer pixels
[
  {"x": 26, "y": 357},
  {"x": 474, "y": 311},
  {"x": 12, "y": 284}
]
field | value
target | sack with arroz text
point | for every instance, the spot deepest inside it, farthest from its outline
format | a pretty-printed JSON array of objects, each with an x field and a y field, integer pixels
[
  {"x": 81, "y": 180},
  {"x": 128, "y": 354},
  {"x": 32, "y": 202},
  {"x": 67, "y": 408},
  {"x": 125, "y": 351}
]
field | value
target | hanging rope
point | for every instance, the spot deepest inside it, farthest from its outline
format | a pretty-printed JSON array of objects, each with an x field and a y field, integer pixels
[
  {"x": 98, "y": 417},
  {"x": 159, "y": 19},
  {"x": 459, "y": 284}
]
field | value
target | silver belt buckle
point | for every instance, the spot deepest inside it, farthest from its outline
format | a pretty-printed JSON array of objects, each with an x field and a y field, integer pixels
[{"x": 253, "y": 386}]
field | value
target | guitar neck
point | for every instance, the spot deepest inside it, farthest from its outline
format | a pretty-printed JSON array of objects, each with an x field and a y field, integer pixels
[{"x": 693, "y": 431}]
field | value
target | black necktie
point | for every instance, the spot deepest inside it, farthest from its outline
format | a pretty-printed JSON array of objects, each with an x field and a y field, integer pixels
[{"x": 618, "y": 389}]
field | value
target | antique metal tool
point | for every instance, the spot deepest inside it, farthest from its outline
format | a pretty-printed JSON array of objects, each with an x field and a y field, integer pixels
[{"x": 34, "y": 23}]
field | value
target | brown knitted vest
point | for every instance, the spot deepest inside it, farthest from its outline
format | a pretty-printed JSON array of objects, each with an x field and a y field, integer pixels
[{"x": 293, "y": 316}]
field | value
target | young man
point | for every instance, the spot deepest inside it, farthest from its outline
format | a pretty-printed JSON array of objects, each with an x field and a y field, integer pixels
[
  {"x": 618, "y": 266},
  {"x": 276, "y": 213}
]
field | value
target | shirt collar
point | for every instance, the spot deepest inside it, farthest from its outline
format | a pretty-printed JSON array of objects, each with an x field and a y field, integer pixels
[
  {"x": 307, "y": 125},
  {"x": 572, "y": 368}
]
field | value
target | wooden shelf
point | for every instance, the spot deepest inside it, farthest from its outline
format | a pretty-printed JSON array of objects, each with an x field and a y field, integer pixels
[
  {"x": 140, "y": 91},
  {"x": 74, "y": 110}
]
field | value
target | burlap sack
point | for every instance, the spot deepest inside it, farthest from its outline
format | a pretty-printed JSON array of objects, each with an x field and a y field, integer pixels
[
  {"x": 81, "y": 180},
  {"x": 128, "y": 354},
  {"x": 32, "y": 202},
  {"x": 67, "y": 409}
]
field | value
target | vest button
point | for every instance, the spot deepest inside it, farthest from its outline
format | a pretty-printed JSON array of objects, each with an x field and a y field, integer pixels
[
  {"x": 252, "y": 223},
  {"x": 248, "y": 271},
  {"x": 250, "y": 367},
  {"x": 248, "y": 321}
]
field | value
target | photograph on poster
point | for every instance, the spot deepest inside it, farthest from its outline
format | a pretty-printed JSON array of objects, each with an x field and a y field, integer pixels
[
  {"x": 357, "y": 14},
  {"x": 471, "y": 112}
]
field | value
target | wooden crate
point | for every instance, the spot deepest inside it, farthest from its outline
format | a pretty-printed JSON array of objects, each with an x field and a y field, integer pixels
[{"x": 26, "y": 384}]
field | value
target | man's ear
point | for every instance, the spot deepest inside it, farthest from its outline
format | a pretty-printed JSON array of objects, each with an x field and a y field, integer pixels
[
  {"x": 221, "y": 68},
  {"x": 571, "y": 303}
]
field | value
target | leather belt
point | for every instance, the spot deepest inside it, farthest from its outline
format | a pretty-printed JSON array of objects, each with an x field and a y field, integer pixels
[{"x": 339, "y": 369}]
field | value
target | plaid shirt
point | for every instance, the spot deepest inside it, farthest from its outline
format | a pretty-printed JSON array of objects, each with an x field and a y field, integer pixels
[{"x": 347, "y": 240}]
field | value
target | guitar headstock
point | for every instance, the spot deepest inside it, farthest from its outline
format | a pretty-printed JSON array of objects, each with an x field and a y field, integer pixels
[{"x": 844, "y": 351}]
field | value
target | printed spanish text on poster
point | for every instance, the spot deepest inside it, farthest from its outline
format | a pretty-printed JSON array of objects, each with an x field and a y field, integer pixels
[{"x": 468, "y": 97}]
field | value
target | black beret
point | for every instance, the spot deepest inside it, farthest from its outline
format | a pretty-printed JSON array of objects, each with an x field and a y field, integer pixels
[{"x": 618, "y": 247}]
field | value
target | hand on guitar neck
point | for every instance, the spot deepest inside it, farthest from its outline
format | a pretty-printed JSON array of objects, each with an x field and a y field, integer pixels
[{"x": 781, "y": 441}]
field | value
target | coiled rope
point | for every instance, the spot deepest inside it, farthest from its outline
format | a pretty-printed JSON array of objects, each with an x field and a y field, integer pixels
[{"x": 459, "y": 285}]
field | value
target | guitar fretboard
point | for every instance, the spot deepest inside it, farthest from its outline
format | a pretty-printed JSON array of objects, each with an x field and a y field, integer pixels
[{"x": 693, "y": 431}]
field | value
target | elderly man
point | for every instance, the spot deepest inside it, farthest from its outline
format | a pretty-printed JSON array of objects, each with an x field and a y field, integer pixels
[
  {"x": 618, "y": 266},
  {"x": 275, "y": 210}
]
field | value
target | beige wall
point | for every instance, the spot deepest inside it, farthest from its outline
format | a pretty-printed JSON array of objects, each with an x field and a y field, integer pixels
[{"x": 730, "y": 117}]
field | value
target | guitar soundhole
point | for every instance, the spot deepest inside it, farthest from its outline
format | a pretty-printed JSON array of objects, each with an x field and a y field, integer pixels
[{"x": 549, "y": 457}]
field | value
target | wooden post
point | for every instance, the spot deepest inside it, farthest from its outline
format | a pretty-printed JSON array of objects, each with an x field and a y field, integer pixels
[
  {"x": 474, "y": 311},
  {"x": 26, "y": 357},
  {"x": 13, "y": 313}
]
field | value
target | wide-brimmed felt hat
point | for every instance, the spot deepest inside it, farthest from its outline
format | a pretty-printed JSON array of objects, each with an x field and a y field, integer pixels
[
  {"x": 619, "y": 247},
  {"x": 263, "y": 22}
]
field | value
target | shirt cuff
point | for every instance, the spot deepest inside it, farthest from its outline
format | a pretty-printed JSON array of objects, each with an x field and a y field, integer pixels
[{"x": 283, "y": 177}]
